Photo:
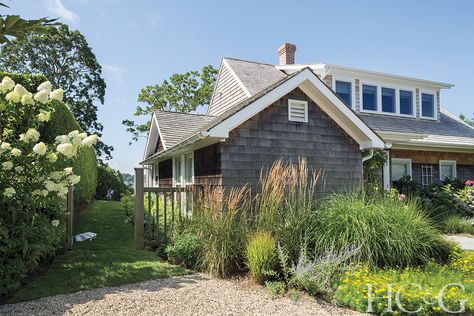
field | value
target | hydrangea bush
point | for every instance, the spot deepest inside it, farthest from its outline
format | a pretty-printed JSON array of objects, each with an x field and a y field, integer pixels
[{"x": 34, "y": 178}]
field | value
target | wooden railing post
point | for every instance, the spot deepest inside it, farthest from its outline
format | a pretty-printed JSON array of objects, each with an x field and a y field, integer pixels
[
  {"x": 69, "y": 218},
  {"x": 139, "y": 210}
]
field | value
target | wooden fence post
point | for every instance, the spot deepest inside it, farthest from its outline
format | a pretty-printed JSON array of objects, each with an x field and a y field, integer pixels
[
  {"x": 69, "y": 218},
  {"x": 139, "y": 235}
]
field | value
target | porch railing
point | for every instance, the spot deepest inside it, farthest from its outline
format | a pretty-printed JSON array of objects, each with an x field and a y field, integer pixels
[{"x": 157, "y": 210}]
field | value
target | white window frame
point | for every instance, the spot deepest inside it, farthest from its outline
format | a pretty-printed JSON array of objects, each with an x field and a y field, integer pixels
[
  {"x": 348, "y": 80},
  {"x": 299, "y": 102},
  {"x": 413, "y": 102},
  {"x": 400, "y": 161},
  {"x": 182, "y": 182},
  {"x": 435, "y": 104},
  {"x": 361, "y": 95},
  {"x": 451, "y": 163},
  {"x": 379, "y": 98},
  {"x": 426, "y": 176}
]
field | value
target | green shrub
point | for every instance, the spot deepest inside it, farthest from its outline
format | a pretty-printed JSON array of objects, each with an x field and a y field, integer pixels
[
  {"x": 85, "y": 162},
  {"x": 467, "y": 226},
  {"x": 276, "y": 288},
  {"x": 184, "y": 251},
  {"x": 110, "y": 185},
  {"x": 388, "y": 232},
  {"x": 261, "y": 255},
  {"x": 219, "y": 221}
]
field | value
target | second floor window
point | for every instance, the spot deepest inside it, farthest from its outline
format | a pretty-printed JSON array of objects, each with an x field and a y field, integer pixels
[
  {"x": 427, "y": 105},
  {"x": 406, "y": 102},
  {"x": 388, "y": 100},
  {"x": 369, "y": 97},
  {"x": 344, "y": 91}
]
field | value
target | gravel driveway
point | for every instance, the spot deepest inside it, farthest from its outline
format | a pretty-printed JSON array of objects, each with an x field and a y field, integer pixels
[{"x": 185, "y": 295}]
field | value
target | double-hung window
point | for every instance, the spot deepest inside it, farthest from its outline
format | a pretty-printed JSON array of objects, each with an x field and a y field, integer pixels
[
  {"x": 388, "y": 100},
  {"x": 188, "y": 169},
  {"x": 400, "y": 167},
  {"x": 427, "y": 105},
  {"x": 406, "y": 102},
  {"x": 344, "y": 91},
  {"x": 447, "y": 169}
]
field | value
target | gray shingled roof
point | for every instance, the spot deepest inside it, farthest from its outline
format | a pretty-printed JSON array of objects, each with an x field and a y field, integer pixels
[
  {"x": 176, "y": 127},
  {"x": 255, "y": 76},
  {"x": 447, "y": 126}
]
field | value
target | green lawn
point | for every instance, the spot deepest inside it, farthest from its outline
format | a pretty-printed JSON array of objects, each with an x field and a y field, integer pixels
[{"x": 111, "y": 259}]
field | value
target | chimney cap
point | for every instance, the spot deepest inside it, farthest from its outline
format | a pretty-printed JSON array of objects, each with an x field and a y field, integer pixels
[{"x": 286, "y": 54}]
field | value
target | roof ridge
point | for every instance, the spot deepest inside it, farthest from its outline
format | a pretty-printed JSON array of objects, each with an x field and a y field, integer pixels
[
  {"x": 250, "y": 61},
  {"x": 176, "y": 112}
]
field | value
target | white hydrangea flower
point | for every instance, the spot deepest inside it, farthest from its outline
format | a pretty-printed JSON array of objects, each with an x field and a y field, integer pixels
[
  {"x": 7, "y": 83},
  {"x": 73, "y": 134},
  {"x": 32, "y": 134},
  {"x": 45, "y": 193},
  {"x": 20, "y": 90},
  {"x": 66, "y": 149},
  {"x": 7, "y": 165},
  {"x": 27, "y": 99},
  {"x": 16, "y": 152},
  {"x": 40, "y": 149},
  {"x": 44, "y": 116},
  {"x": 62, "y": 189},
  {"x": 56, "y": 175},
  {"x": 5, "y": 146},
  {"x": 57, "y": 94},
  {"x": 82, "y": 135},
  {"x": 62, "y": 139},
  {"x": 42, "y": 96},
  {"x": 50, "y": 185},
  {"x": 74, "y": 179},
  {"x": 68, "y": 171},
  {"x": 12, "y": 96},
  {"x": 9, "y": 192},
  {"x": 45, "y": 86},
  {"x": 90, "y": 141},
  {"x": 55, "y": 223},
  {"x": 52, "y": 157},
  {"x": 18, "y": 169}
]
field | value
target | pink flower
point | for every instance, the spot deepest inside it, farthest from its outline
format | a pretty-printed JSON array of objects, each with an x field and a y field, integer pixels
[
  {"x": 469, "y": 183},
  {"x": 402, "y": 197}
]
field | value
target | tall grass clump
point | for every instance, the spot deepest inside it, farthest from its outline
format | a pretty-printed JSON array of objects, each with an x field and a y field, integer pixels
[
  {"x": 261, "y": 255},
  {"x": 220, "y": 222},
  {"x": 386, "y": 231},
  {"x": 286, "y": 204}
]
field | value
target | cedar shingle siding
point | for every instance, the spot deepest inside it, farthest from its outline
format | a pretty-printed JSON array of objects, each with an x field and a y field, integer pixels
[
  {"x": 165, "y": 173},
  {"x": 207, "y": 165},
  {"x": 269, "y": 136}
]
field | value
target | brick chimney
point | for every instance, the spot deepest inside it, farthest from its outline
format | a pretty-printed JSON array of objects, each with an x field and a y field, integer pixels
[{"x": 286, "y": 52}]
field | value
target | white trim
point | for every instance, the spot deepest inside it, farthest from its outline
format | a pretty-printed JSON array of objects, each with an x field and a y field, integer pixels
[
  {"x": 451, "y": 163},
  {"x": 291, "y": 104},
  {"x": 378, "y": 96},
  {"x": 387, "y": 183},
  {"x": 401, "y": 161},
  {"x": 435, "y": 104},
  {"x": 241, "y": 84},
  {"x": 413, "y": 102},
  {"x": 310, "y": 84},
  {"x": 192, "y": 168},
  {"x": 153, "y": 122},
  {"x": 348, "y": 80}
]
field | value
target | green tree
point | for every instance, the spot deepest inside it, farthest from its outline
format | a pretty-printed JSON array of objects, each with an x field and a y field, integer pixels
[
  {"x": 180, "y": 93},
  {"x": 468, "y": 121},
  {"x": 66, "y": 59},
  {"x": 15, "y": 26}
]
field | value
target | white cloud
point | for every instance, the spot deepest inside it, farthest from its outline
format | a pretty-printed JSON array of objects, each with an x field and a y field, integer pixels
[
  {"x": 57, "y": 8},
  {"x": 116, "y": 72}
]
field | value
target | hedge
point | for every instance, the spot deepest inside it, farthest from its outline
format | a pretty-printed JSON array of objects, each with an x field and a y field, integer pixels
[{"x": 62, "y": 122}]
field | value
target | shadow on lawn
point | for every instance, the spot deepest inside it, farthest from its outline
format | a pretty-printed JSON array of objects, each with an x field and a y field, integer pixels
[{"x": 62, "y": 303}]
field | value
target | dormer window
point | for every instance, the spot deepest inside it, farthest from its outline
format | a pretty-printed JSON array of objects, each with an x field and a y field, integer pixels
[
  {"x": 427, "y": 105},
  {"x": 388, "y": 100},
  {"x": 406, "y": 102},
  {"x": 344, "y": 91},
  {"x": 369, "y": 97}
]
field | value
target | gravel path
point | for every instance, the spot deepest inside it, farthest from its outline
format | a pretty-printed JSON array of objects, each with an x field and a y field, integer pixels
[{"x": 186, "y": 295}]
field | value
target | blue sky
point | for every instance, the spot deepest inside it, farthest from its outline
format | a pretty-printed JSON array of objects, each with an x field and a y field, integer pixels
[{"x": 143, "y": 42}]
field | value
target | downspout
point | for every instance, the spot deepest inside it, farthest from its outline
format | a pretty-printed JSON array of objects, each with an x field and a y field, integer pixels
[{"x": 370, "y": 155}]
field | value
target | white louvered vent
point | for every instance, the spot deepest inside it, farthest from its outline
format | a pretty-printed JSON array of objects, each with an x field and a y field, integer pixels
[{"x": 297, "y": 111}]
